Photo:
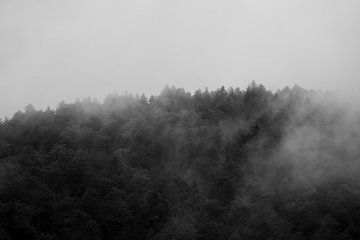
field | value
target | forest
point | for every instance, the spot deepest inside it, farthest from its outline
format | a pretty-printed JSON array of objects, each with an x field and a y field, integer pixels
[{"x": 230, "y": 163}]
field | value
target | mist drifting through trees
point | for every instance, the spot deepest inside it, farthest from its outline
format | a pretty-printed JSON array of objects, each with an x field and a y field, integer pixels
[{"x": 224, "y": 164}]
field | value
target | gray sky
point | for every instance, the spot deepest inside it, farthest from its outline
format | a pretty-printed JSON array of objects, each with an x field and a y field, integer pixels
[{"x": 62, "y": 50}]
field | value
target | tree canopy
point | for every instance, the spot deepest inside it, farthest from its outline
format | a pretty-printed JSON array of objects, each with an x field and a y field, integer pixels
[{"x": 224, "y": 164}]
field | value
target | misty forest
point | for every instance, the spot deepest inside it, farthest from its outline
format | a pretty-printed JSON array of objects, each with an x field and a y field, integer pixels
[{"x": 229, "y": 163}]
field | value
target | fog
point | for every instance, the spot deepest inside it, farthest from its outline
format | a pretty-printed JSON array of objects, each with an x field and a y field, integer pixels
[
  {"x": 320, "y": 144},
  {"x": 63, "y": 50}
]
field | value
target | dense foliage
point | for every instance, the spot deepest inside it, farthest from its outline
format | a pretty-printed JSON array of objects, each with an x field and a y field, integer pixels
[{"x": 225, "y": 164}]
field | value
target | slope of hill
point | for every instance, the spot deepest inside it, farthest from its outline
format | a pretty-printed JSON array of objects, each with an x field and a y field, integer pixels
[{"x": 224, "y": 164}]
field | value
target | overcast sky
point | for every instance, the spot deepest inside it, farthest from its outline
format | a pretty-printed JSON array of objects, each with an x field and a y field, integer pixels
[{"x": 67, "y": 49}]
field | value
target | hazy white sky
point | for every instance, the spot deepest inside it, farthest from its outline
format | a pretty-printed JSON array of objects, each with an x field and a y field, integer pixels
[{"x": 62, "y": 50}]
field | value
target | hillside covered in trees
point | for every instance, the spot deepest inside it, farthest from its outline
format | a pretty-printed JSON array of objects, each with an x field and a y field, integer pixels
[{"x": 225, "y": 164}]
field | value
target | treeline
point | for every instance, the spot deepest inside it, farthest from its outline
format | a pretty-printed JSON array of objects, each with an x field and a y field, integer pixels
[{"x": 226, "y": 164}]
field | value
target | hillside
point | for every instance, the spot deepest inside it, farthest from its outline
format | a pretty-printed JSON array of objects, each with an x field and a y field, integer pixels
[{"x": 224, "y": 164}]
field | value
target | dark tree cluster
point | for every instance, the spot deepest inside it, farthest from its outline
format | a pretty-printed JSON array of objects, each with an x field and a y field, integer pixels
[{"x": 179, "y": 166}]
